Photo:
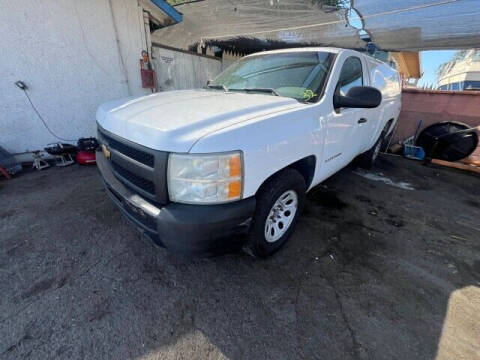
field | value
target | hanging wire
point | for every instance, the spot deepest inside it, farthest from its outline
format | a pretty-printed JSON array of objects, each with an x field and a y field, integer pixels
[{"x": 42, "y": 119}]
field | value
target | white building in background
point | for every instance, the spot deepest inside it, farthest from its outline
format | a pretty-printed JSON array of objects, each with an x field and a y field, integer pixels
[
  {"x": 462, "y": 73},
  {"x": 72, "y": 55}
]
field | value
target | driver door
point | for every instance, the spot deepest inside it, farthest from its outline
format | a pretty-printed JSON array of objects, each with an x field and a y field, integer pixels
[{"x": 345, "y": 127}]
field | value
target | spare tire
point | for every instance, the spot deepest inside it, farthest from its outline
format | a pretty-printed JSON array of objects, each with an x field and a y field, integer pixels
[{"x": 452, "y": 145}]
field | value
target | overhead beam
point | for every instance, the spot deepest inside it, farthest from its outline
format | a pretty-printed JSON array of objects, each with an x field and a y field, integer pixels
[{"x": 169, "y": 10}]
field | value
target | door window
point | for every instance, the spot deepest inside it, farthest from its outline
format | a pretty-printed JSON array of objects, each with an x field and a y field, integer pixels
[{"x": 351, "y": 75}]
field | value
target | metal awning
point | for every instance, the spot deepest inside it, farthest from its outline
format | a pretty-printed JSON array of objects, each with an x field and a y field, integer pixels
[{"x": 163, "y": 12}]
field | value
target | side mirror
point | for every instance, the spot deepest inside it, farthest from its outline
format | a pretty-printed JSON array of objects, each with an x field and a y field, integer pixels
[
  {"x": 366, "y": 97},
  {"x": 208, "y": 82}
]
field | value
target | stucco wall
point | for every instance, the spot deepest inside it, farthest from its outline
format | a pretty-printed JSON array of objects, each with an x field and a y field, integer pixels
[
  {"x": 66, "y": 52},
  {"x": 436, "y": 106}
]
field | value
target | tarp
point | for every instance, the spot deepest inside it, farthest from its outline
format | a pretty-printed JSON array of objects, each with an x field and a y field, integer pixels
[{"x": 392, "y": 25}]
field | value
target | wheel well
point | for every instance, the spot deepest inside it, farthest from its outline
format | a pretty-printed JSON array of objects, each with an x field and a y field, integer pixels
[
  {"x": 388, "y": 134},
  {"x": 305, "y": 166}
]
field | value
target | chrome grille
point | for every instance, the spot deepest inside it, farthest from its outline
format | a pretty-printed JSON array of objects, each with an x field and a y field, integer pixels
[
  {"x": 136, "y": 180},
  {"x": 141, "y": 169},
  {"x": 141, "y": 156}
]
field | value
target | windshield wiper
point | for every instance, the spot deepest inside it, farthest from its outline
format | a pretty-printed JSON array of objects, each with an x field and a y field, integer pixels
[
  {"x": 219, "y": 87},
  {"x": 263, "y": 90}
]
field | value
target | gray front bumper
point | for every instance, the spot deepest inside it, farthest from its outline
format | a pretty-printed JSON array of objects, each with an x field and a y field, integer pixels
[{"x": 188, "y": 229}]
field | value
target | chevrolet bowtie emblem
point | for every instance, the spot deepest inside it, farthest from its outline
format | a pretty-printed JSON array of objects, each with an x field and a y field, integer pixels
[{"x": 105, "y": 151}]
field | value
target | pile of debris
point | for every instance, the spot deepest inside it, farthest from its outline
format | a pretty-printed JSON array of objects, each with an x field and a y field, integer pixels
[
  {"x": 59, "y": 154},
  {"x": 447, "y": 143}
]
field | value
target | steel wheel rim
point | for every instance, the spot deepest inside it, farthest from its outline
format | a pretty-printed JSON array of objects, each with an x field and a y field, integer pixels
[{"x": 281, "y": 216}]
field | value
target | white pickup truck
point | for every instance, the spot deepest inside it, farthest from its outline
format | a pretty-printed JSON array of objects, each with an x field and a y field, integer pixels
[{"x": 195, "y": 168}]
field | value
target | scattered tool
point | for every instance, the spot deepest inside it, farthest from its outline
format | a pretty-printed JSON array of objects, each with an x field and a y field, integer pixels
[
  {"x": 86, "y": 151},
  {"x": 8, "y": 165},
  {"x": 410, "y": 150},
  {"x": 5, "y": 173},
  {"x": 62, "y": 153},
  {"x": 413, "y": 152},
  {"x": 38, "y": 162}
]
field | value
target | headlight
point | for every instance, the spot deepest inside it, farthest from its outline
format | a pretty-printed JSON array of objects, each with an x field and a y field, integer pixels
[{"x": 205, "y": 179}]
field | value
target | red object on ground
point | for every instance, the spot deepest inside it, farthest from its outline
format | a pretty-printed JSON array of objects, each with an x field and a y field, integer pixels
[
  {"x": 86, "y": 158},
  {"x": 5, "y": 173}
]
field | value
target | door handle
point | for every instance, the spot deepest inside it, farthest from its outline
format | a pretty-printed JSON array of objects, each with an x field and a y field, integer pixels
[{"x": 362, "y": 121}]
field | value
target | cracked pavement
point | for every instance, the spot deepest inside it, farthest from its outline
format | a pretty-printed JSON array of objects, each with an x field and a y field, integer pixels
[{"x": 371, "y": 272}]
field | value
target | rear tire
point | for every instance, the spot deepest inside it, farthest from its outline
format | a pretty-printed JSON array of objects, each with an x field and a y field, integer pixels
[
  {"x": 367, "y": 159},
  {"x": 279, "y": 203}
]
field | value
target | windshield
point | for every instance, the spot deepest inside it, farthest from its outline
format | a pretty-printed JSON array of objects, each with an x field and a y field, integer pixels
[{"x": 299, "y": 75}]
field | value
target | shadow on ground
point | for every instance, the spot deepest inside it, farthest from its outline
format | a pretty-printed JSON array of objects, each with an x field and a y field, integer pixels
[{"x": 372, "y": 272}]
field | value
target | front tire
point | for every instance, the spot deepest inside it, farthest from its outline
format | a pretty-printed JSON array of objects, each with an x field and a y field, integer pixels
[{"x": 279, "y": 203}]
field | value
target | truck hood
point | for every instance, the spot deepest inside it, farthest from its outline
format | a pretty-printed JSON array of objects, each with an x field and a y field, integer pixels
[{"x": 175, "y": 120}]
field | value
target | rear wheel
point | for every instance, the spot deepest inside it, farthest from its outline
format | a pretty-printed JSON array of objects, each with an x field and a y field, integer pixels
[
  {"x": 367, "y": 159},
  {"x": 279, "y": 203}
]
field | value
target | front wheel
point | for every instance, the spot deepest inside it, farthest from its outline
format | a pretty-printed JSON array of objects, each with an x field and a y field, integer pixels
[{"x": 279, "y": 204}]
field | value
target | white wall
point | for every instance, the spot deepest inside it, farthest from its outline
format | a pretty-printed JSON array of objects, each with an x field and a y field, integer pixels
[
  {"x": 66, "y": 52},
  {"x": 178, "y": 70}
]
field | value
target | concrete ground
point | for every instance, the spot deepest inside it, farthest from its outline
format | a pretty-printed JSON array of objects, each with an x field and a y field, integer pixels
[{"x": 373, "y": 271}]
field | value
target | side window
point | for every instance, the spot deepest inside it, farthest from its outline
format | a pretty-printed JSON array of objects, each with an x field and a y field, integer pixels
[{"x": 351, "y": 75}]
